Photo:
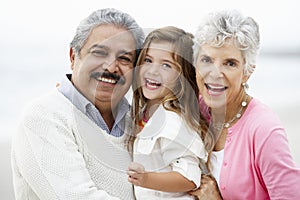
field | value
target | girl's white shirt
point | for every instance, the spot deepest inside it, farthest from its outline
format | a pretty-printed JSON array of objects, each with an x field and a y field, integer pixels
[{"x": 165, "y": 144}]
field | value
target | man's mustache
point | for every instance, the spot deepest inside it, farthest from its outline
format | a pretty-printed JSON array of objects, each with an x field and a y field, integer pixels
[{"x": 119, "y": 79}]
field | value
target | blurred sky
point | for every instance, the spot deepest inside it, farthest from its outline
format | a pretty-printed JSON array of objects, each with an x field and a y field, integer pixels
[{"x": 29, "y": 26}]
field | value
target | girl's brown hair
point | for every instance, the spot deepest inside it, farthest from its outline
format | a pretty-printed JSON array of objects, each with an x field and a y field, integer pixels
[{"x": 184, "y": 97}]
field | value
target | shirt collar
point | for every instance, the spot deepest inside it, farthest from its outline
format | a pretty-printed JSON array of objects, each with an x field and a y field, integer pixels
[
  {"x": 68, "y": 90},
  {"x": 82, "y": 103}
]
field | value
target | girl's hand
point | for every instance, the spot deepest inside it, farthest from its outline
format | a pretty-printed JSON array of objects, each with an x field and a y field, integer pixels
[
  {"x": 208, "y": 189},
  {"x": 136, "y": 174}
]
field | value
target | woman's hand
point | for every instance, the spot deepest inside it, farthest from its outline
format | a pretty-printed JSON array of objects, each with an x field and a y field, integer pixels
[{"x": 208, "y": 189}]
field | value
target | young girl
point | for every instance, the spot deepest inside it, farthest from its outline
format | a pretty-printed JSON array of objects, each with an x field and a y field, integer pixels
[{"x": 167, "y": 147}]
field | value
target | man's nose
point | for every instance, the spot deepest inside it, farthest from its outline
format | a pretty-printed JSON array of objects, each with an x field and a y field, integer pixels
[{"x": 111, "y": 65}]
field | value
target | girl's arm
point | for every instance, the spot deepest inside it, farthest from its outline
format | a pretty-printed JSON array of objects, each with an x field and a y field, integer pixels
[{"x": 162, "y": 181}]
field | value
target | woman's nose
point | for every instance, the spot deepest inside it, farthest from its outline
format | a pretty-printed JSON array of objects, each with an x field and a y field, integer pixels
[{"x": 216, "y": 71}]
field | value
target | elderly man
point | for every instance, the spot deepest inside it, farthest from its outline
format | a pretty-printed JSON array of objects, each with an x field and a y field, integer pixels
[{"x": 71, "y": 142}]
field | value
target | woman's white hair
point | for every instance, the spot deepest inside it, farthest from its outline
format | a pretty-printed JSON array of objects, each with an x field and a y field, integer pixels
[{"x": 230, "y": 24}]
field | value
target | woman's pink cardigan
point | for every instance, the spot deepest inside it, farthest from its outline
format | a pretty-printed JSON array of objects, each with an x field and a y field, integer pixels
[{"x": 257, "y": 160}]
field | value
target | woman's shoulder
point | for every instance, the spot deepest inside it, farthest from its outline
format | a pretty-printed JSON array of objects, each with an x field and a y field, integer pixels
[
  {"x": 260, "y": 120},
  {"x": 259, "y": 112}
]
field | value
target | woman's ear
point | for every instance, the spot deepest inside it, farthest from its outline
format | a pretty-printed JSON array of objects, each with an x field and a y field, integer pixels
[
  {"x": 246, "y": 77},
  {"x": 72, "y": 58}
]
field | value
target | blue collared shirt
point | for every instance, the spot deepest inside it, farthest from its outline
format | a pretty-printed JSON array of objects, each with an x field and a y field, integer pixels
[{"x": 85, "y": 106}]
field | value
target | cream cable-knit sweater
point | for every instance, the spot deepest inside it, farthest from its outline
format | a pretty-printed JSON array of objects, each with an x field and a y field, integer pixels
[{"x": 59, "y": 153}]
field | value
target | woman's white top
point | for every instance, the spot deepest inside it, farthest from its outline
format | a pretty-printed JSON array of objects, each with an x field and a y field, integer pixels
[
  {"x": 216, "y": 162},
  {"x": 167, "y": 144}
]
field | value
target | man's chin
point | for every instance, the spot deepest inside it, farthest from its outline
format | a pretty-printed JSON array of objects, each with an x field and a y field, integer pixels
[{"x": 109, "y": 98}]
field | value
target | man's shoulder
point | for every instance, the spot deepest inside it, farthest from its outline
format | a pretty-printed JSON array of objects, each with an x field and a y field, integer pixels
[{"x": 48, "y": 102}]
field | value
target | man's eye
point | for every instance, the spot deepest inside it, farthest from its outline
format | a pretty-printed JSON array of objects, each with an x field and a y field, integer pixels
[
  {"x": 124, "y": 60},
  {"x": 98, "y": 53}
]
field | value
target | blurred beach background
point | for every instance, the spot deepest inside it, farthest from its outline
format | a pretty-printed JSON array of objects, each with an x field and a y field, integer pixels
[{"x": 35, "y": 36}]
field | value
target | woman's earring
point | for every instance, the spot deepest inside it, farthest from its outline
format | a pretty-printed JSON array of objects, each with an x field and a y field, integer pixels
[{"x": 245, "y": 85}]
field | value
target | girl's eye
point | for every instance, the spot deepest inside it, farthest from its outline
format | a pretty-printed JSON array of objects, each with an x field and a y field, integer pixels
[
  {"x": 166, "y": 65},
  {"x": 147, "y": 60}
]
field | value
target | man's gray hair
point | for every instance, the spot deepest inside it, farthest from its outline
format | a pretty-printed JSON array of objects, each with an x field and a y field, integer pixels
[
  {"x": 106, "y": 16},
  {"x": 225, "y": 24}
]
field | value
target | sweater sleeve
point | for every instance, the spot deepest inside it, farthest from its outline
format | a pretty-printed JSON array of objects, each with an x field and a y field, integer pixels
[
  {"x": 47, "y": 157},
  {"x": 279, "y": 172}
]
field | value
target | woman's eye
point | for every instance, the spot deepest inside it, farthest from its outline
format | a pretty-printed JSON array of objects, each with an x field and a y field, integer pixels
[
  {"x": 230, "y": 64},
  {"x": 205, "y": 60}
]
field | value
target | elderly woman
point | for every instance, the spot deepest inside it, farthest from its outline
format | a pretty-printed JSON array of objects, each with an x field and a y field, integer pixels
[{"x": 251, "y": 158}]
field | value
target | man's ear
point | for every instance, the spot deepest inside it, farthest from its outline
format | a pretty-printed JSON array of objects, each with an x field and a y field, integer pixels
[{"x": 72, "y": 58}]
